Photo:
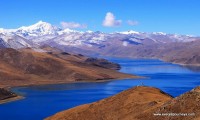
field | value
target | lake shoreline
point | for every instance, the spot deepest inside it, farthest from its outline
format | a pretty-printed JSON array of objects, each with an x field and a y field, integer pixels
[
  {"x": 162, "y": 75},
  {"x": 19, "y": 97},
  {"x": 11, "y": 99},
  {"x": 156, "y": 58},
  {"x": 69, "y": 82}
]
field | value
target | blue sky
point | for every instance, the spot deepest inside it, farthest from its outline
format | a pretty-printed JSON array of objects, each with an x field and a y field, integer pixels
[{"x": 170, "y": 16}]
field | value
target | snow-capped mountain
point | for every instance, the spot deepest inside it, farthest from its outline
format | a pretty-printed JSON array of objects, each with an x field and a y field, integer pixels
[
  {"x": 44, "y": 33},
  {"x": 36, "y": 30},
  {"x": 28, "y": 36},
  {"x": 169, "y": 47},
  {"x": 39, "y": 29},
  {"x": 14, "y": 41},
  {"x": 129, "y": 32}
]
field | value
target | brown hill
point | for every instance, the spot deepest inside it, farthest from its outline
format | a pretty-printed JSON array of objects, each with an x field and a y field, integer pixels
[
  {"x": 184, "y": 107},
  {"x": 27, "y": 67},
  {"x": 127, "y": 105},
  {"x": 138, "y": 103}
]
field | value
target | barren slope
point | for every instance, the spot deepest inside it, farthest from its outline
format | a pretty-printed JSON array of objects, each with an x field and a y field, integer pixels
[
  {"x": 138, "y": 103},
  {"x": 26, "y": 67},
  {"x": 187, "y": 105},
  {"x": 127, "y": 105}
]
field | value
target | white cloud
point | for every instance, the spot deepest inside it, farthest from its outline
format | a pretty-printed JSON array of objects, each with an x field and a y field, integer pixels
[
  {"x": 132, "y": 22},
  {"x": 110, "y": 20},
  {"x": 73, "y": 25}
]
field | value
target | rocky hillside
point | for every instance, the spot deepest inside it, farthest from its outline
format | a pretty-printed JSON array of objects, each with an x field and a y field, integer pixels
[
  {"x": 5, "y": 94},
  {"x": 187, "y": 105},
  {"x": 26, "y": 67},
  {"x": 127, "y": 105},
  {"x": 138, "y": 103}
]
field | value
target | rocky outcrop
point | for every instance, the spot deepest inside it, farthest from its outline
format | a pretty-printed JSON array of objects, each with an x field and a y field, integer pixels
[
  {"x": 5, "y": 94},
  {"x": 103, "y": 63}
]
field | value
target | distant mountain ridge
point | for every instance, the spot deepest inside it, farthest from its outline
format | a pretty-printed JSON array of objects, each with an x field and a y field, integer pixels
[
  {"x": 169, "y": 47},
  {"x": 43, "y": 33}
]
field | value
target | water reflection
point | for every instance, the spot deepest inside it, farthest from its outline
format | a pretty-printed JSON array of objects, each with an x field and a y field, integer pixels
[
  {"x": 193, "y": 68},
  {"x": 60, "y": 87}
]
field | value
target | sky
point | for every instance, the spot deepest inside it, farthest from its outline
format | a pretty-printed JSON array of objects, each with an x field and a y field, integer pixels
[{"x": 170, "y": 16}]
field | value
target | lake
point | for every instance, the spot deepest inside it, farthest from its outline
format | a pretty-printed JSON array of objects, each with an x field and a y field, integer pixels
[{"x": 43, "y": 101}]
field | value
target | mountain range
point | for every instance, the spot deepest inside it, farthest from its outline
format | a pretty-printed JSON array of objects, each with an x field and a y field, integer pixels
[{"x": 175, "y": 48}]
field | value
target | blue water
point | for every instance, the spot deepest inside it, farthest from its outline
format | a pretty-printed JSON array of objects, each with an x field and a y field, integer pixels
[{"x": 43, "y": 101}]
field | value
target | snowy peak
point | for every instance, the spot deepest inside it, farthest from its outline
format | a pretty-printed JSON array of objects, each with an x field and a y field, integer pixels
[
  {"x": 129, "y": 32},
  {"x": 67, "y": 30},
  {"x": 39, "y": 29},
  {"x": 45, "y": 33},
  {"x": 7, "y": 31},
  {"x": 159, "y": 33}
]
